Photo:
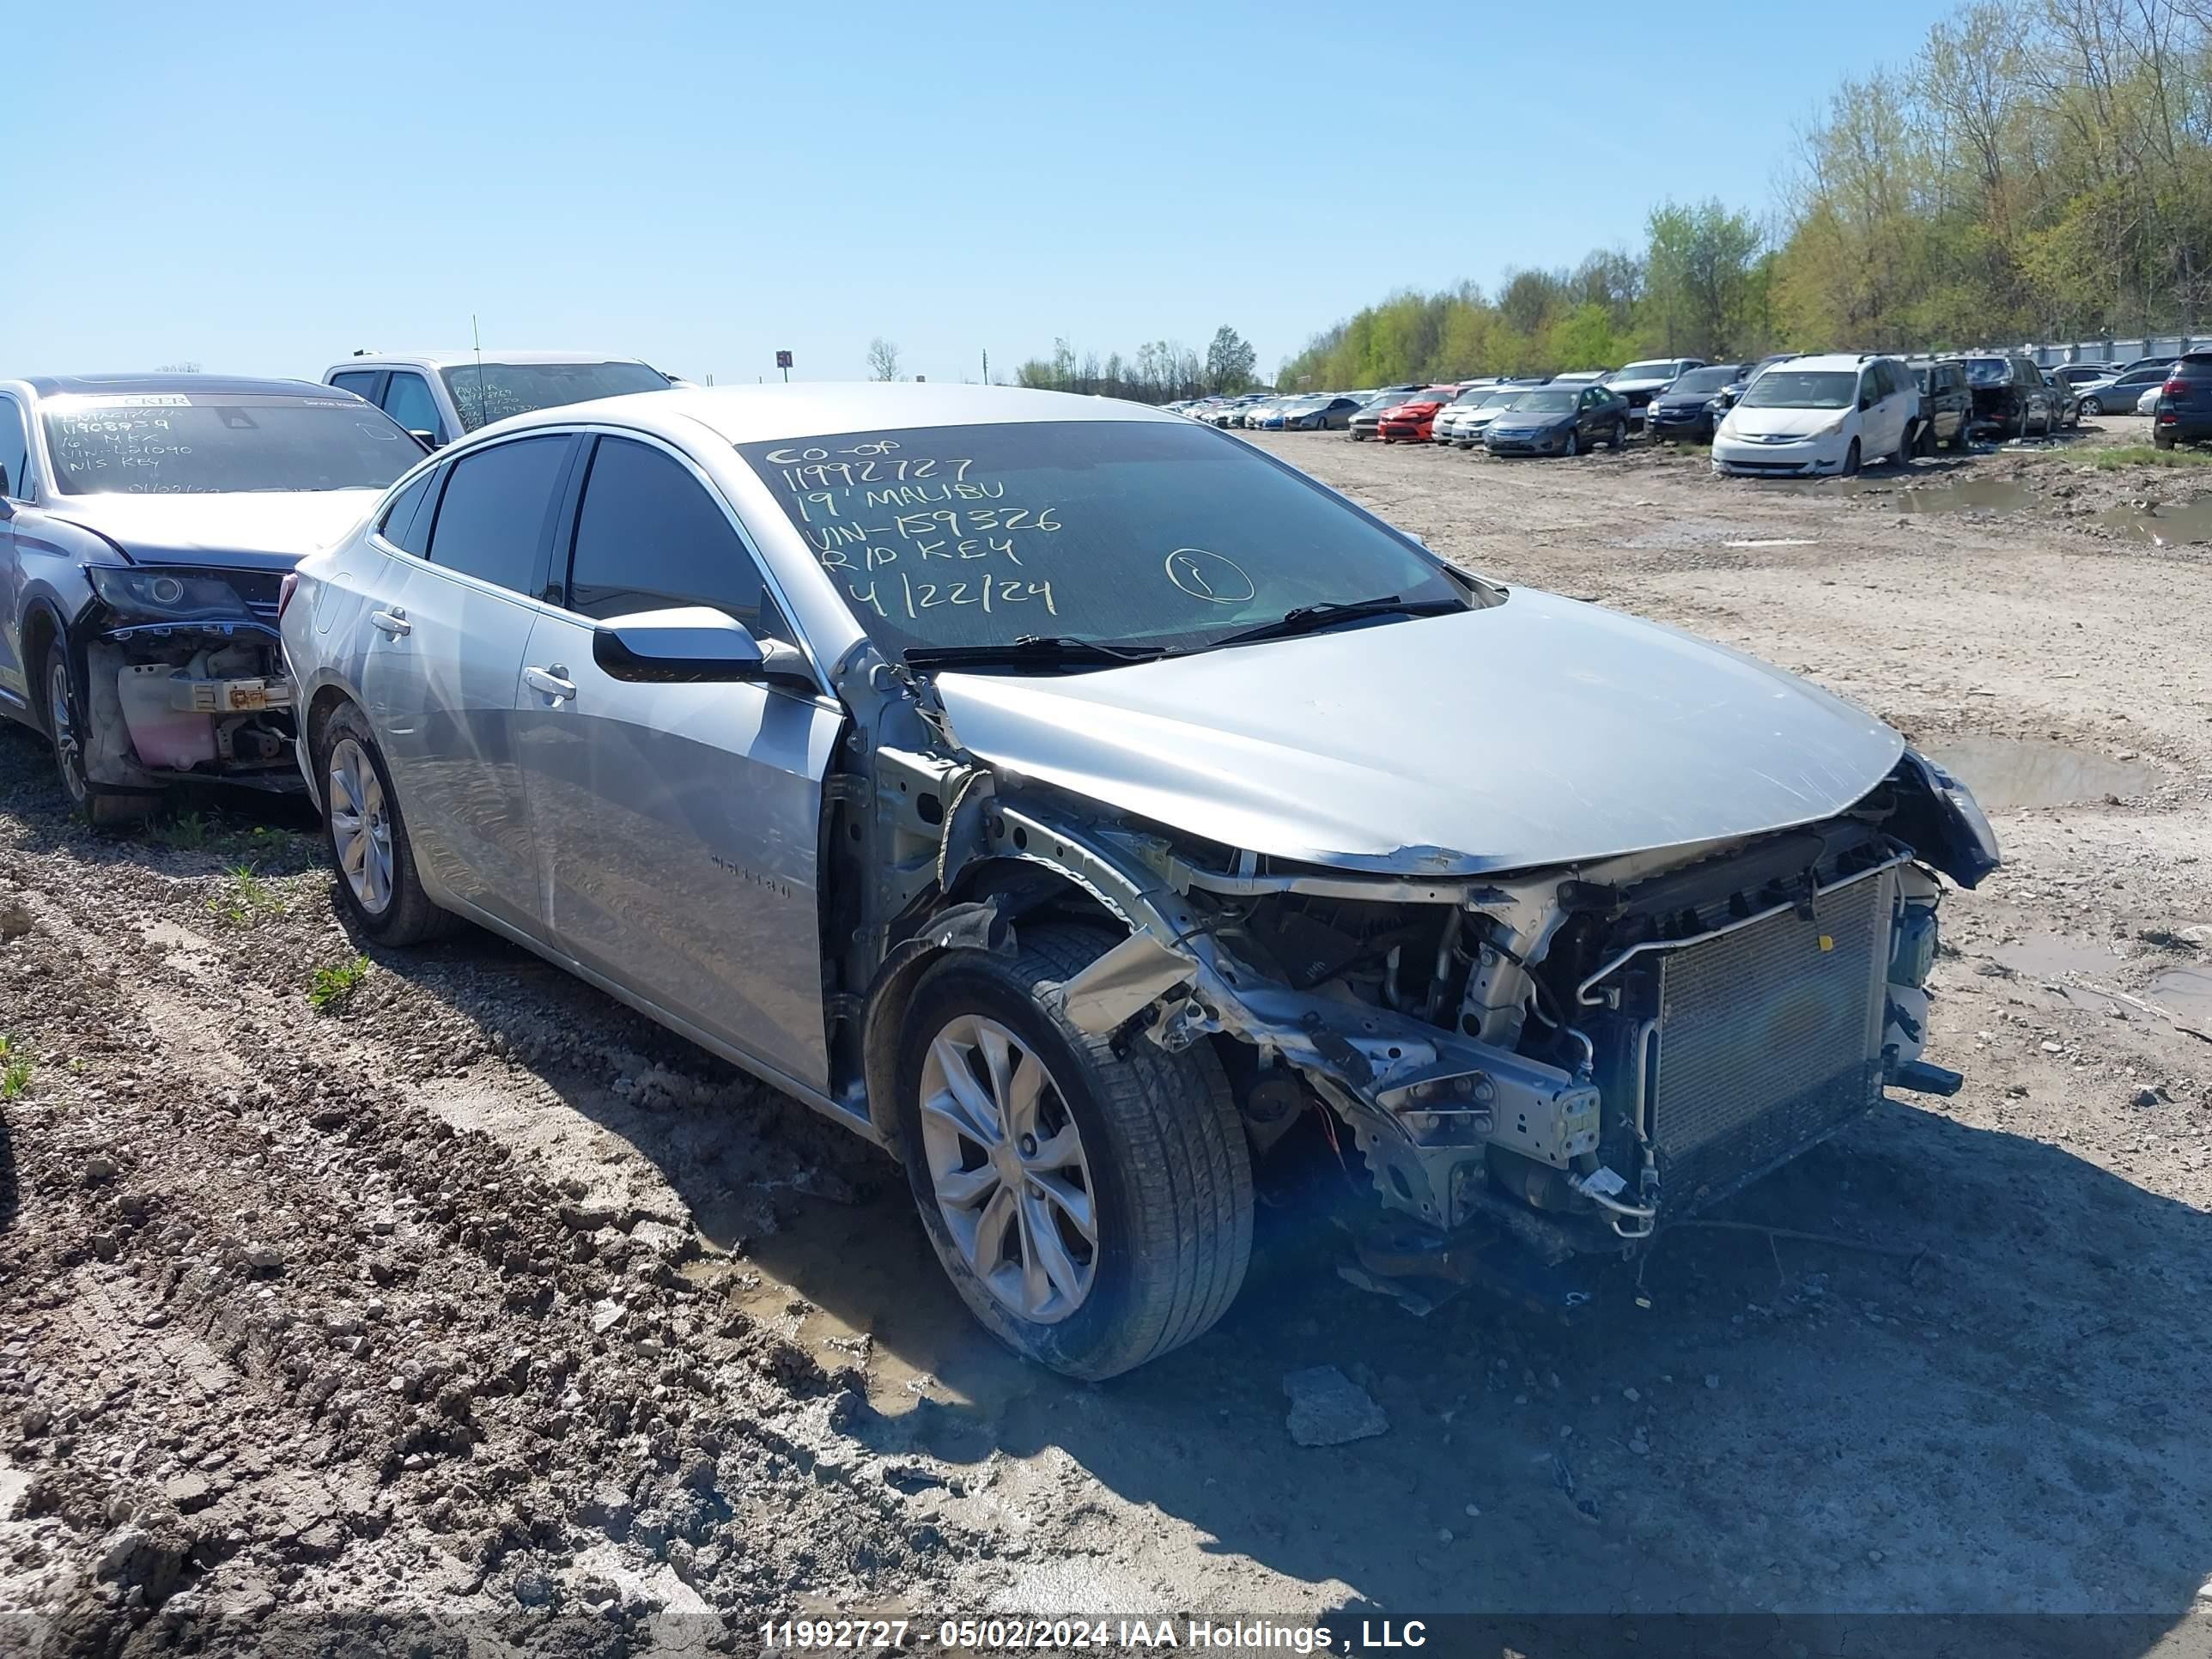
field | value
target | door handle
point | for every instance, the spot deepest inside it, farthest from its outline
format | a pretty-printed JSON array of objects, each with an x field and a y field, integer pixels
[
  {"x": 552, "y": 682},
  {"x": 393, "y": 622}
]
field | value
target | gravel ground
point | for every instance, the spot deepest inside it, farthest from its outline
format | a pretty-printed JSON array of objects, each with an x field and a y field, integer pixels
[{"x": 466, "y": 1292}]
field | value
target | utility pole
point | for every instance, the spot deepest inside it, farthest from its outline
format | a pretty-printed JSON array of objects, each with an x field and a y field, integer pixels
[{"x": 987, "y": 365}]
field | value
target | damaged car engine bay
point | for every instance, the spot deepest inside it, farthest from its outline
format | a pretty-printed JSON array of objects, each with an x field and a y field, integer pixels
[{"x": 1575, "y": 1054}]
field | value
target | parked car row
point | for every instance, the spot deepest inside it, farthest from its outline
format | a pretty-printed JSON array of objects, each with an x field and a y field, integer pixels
[
  {"x": 1011, "y": 835},
  {"x": 146, "y": 524}
]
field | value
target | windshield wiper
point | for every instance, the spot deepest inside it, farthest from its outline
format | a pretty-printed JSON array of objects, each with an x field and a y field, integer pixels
[
  {"x": 1311, "y": 618},
  {"x": 1033, "y": 650}
]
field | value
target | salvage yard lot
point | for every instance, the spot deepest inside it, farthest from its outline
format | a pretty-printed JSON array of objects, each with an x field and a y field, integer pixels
[{"x": 455, "y": 1287}]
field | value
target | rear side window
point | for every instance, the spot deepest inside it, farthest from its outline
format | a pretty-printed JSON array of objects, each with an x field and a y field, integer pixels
[
  {"x": 407, "y": 400},
  {"x": 649, "y": 536},
  {"x": 405, "y": 524},
  {"x": 492, "y": 519}
]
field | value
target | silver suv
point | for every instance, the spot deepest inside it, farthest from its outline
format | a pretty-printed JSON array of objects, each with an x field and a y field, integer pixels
[{"x": 1072, "y": 799}]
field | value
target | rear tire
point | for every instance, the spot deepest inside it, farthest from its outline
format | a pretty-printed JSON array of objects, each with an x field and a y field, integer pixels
[
  {"x": 1144, "y": 1144},
  {"x": 366, "y": 835},
  {"x": 2161, "y": 440}
]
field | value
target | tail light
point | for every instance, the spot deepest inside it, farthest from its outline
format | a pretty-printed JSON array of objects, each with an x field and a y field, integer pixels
[
  {"x": 2175, "y": 389},
  {"x": 285, "y": 589}
]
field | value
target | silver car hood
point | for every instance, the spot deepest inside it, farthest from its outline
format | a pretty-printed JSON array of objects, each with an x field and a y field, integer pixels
[{"x": 1536, "y": 731}]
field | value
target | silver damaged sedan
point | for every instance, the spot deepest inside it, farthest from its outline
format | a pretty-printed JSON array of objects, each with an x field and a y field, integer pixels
[{"x": 1069, "y": 798}]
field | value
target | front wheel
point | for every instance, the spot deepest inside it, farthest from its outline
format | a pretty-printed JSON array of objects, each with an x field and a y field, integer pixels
[
  {"x": 378, "y": 882},
  {"x": 1852, "y": 460},
  {"x": 1619, "y": 436},
  {"x": 2090, "y": 406},
  {"x": 1093, "y": 1208},
  {"x": 1574, "y": 445},
  {"x": 68, "y": 734}
]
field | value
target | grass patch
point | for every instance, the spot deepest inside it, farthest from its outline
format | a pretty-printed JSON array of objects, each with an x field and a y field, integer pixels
[
  {"x": 15, "y": 1070},
  {"x": 2147, "y": 455},
  {"x": 245, "y": 898},
  {"x": 197, "y": 832},
  {"x": 333, "y": 987}
]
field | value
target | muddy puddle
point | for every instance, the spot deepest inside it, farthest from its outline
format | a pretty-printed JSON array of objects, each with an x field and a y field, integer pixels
[
  {"x": 2009, "y": 774},
  {"x": 2049, "y": 958},
  {"x": 1971, "y": 495},
  {"x": 2170, "y": 523},
  {"x": 2186, "y": 994}
]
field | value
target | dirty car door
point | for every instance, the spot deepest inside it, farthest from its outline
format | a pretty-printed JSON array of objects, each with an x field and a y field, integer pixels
[
  {"x": 678, "y": 825},
  {"x": 439, "y": 676}
]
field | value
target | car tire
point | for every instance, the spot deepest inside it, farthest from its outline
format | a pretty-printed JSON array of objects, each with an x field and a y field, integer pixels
[
  {"x": 1574, "y": 444},
  {"x": 1619, "y": 436},
  {"x": 2091, "y": 406},
  {"x": 1923, "y": 439},
  {"x": 1150, "y": 1149},
  {"x": 64, "y": 723},
  {"x": 378, "y": 883},
  {"x": 2161, "y": 440},
  {"x": 1852, "y": 460}
]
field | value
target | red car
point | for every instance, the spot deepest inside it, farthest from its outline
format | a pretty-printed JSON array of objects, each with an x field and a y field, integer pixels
[{"x": 1409, "y": 423}]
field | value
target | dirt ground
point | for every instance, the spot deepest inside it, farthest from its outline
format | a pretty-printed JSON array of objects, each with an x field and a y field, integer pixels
[{"x": 464, "y": 1291}]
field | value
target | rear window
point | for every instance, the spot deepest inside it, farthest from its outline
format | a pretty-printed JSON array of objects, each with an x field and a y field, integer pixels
[{"x": 1988, "y": 371}]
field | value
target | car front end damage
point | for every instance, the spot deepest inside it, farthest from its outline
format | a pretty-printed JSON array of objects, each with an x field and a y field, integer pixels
[
  {"x": 1575, "y": 1054},
  {"x": 184, "y": 677}
]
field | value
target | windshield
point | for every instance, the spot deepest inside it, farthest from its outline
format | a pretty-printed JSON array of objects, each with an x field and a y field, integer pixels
[
  {"x": 1663, "y": 370},
  {"x": 1803, "y": 388},
  {"x": 169, "y": 444},
  {"x": 498, "y": 390},
  {"x": 1704, "y": 380},
  {"x": 1136, "y": 532},
  {"x": 1475, "y": 394},
  {"x": 1546, "y": 400},
  {"x": 1988, "y": 371},
  {"x": 1503, "y": 398}
]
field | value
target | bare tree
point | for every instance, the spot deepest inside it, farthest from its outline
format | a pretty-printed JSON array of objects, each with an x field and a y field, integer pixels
[{"x": 883, "y": 359}]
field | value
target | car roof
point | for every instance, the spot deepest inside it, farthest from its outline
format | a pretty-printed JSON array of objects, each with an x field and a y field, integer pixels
[
  {"x": 761, "y": 414},
  {"x": 1834, "y": 361},
  {"x": 458, "y": 359},
  {"x": 212, "y": 386}
]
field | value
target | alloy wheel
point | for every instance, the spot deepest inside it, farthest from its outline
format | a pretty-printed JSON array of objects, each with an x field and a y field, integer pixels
[
  {"x": 361, "y": 826},
  {"x": 1008, "y": 1167}
]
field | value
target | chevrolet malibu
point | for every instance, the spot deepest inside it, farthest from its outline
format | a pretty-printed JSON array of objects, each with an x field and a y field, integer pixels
[
  {"x": 1053, "y": 791},
  {"x": 146, "y": 523}
]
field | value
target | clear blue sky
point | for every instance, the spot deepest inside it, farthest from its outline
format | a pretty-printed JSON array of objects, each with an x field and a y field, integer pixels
[{"x": 263, "y": 189}]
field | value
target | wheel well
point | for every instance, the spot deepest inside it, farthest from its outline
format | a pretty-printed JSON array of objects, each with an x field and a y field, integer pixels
[
  {"x": 324, "y": 703},
  {"x": 38, "y": 634},
  {"x": 1025, "y": 891}
]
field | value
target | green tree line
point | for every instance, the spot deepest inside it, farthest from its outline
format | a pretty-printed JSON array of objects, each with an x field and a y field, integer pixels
[{"x": 2040, "y": 169}]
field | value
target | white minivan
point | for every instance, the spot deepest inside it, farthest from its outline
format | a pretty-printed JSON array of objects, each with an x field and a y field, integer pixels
[{"x": 1825, "y": 414}]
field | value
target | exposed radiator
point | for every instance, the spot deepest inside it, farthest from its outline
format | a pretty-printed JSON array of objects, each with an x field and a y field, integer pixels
[{"x": 1768, "y": 1037}]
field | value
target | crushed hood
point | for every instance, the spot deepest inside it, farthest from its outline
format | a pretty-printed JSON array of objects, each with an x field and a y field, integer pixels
[
  {"x": 1536, "y": 731},
  {"x": 271, "y": 530}
]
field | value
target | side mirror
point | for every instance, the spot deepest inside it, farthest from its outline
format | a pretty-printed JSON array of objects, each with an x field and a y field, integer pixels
[
  {"x": 691, "y": 644},
  {"x": 428, "y": 439},
  {"x": 1865, "y": 403}
]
